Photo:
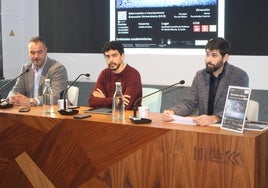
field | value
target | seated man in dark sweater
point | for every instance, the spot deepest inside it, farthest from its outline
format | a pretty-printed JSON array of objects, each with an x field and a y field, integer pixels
[{"x": 117, "y": 71}]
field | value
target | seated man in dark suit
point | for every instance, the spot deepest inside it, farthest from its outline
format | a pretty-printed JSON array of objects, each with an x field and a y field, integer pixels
[{"x": 208, "y": 92}]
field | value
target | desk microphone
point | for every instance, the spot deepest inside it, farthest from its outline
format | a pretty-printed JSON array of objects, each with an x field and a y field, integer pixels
[
  {"x": 139, "y": 120},
  {"x": 65, "y": 111},
  {"x": 7, "y": 105}
]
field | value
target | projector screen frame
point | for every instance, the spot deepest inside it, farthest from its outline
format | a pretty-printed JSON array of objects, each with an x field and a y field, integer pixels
[{"x": 198, "y": 50}]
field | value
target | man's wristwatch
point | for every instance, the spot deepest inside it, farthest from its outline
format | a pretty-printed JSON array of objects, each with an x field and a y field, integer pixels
[{"x": 32, "y": 102}]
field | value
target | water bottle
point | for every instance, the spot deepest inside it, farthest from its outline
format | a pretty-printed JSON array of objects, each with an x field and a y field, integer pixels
[
  {"x": 118, "y": 110},
  {"x": 47, "y": 98}
]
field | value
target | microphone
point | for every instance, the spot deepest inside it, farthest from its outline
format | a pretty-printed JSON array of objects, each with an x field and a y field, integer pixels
[
  {"x": 8, "y": 105},
  {"x": 65, "y": 111},
  {"x": 139, "y": 120}
]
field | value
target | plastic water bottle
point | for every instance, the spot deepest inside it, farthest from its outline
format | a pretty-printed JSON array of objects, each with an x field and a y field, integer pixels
[
  {"x": 47, "y": 98},
  {"x": 118, "y": 110}
]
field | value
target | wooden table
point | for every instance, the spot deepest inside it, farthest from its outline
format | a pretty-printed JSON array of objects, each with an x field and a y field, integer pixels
[{"x": 38, "y": 150}]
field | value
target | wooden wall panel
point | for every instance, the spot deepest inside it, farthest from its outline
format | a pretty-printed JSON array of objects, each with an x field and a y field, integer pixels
[{"x": 187, "y": 159}]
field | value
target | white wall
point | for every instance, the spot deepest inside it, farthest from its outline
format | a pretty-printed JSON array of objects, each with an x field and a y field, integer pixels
[
  {"x": 164, "y": 69},
  {"x": 22, "y": 17}
]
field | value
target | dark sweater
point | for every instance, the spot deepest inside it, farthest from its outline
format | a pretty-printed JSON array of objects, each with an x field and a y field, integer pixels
[{"x": 131, "y": 85}]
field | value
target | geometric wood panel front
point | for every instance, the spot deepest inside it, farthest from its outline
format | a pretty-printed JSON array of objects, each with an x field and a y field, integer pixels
[{"x": 37, "y": 150}]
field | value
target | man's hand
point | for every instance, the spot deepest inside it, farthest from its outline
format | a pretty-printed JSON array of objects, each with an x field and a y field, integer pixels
[
  {"x": 126, "y": 99},
  {"x": 206, "y": 120},
  {"x": 20, "y": 100},
  {"x": 98, "y": 93},
  {"x": 166, "y": 116}
]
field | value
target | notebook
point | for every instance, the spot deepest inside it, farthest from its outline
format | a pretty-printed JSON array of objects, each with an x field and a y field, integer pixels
[
  {"x": 102, "y": 110},
  {"x": 235, "y": 108}
]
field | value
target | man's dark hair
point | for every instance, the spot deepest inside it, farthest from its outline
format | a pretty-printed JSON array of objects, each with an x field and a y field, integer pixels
[
  {"x": 221, "y": 44},
  {"x": 38, "y": 39},
  {"x": 113, "y": 45}
]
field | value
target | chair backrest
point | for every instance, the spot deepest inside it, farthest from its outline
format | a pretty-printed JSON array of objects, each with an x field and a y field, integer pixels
[
  {"x": 253, "y": 111},
  {"x": 154, "y": 101},
  {"x": 73, "y": 93}
]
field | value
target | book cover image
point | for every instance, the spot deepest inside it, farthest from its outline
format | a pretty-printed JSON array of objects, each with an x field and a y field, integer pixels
[
  {"x": 235, "y": 108},
  {"x": 256, "y": 125}
]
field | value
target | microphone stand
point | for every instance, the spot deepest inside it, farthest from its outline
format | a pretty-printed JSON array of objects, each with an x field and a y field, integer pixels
[
  {"x": 8, "y": 105},
  {"x": 66, "y": 111},
  {"x": 139, "y": 120}
]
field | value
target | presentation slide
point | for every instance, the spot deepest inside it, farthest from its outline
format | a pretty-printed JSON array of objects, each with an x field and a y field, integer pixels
[{"x": 184, "y": 24}]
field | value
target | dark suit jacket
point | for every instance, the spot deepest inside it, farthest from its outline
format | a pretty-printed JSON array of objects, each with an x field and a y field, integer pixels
[
  {"x": 198, "y": 95},
  {"x": 52, "y": 70}
]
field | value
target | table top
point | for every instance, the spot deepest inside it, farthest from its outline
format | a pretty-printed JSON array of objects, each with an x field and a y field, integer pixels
[{"x": 156, "y": 118}]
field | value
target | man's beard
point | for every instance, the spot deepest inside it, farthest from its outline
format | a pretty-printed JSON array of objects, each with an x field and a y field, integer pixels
[
  {"x": 114, "y": 67},
  {"x": 212, "y": 68},
  {"x": 37, "y": 62}
]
